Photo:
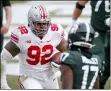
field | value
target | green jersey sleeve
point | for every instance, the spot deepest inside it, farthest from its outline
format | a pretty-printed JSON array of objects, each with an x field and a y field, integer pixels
[{"x": 69, "y": 58}]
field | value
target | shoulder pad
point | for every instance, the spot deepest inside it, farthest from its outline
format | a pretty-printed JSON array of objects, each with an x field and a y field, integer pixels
[
  {"x": 57, "y": 29},
  {"x": 19, "y": 31}
]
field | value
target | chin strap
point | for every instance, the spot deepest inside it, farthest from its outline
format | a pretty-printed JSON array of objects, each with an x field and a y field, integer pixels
[{"x": 34, "y": 31}]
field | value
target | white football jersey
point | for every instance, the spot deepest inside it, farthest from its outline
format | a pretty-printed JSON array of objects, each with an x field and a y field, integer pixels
[{"x": 35, "y": 53}]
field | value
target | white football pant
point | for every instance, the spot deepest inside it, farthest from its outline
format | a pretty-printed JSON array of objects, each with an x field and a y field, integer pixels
[{"x": 31, "y": 83}]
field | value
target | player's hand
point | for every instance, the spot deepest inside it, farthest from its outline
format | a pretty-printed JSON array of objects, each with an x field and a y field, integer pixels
[
  {"x": 55, "y": 65},
  {"x": 71, "y": 25},
  {"x": 4, "y": 29},
  {"x": 73, "y": 22}
]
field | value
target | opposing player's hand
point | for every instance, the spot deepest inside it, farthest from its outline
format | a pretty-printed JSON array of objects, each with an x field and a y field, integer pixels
[
  {"x": 73, "y": 22},
  {"x": 71, "y": 25}
]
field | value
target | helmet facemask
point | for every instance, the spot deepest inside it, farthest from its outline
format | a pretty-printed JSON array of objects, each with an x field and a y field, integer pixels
[
  {"x": 40, "y": 28},
  {"x": 39, "y": 20}
]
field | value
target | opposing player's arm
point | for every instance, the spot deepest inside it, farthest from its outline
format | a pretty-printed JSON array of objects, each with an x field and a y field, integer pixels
[
  {"x": 67, "y": 77},
  {"x": 78, "y": 9},
  {"x": 63, "y": 46}
]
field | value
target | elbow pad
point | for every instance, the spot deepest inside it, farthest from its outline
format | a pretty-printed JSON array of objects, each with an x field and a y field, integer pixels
[{"x": 5, "y": 55}]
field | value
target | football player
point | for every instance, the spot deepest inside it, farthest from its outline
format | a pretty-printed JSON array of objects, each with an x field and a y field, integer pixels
[
  {"x": 100, "y": 11},
  {"x": 79, "y": 67},
  {"x": 35, "y": 44}
]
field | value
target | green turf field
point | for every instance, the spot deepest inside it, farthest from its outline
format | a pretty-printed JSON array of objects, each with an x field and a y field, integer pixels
[{"x": 13, "y": 82}]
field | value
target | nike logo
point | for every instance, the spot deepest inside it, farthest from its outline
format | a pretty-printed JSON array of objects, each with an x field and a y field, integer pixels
[
  {"x": 54, "y": 79},
  {"x": 28, "y": 41},
  {"x": 48, "y": 40}
]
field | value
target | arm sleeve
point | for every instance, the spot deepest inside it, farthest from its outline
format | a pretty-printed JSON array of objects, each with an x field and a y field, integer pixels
[
  {"x": 5, "y": 55},
  {"x": 6, "y": 3},
  {"x": 67, "y": 59},
  {"x": 15, "y": 37}
]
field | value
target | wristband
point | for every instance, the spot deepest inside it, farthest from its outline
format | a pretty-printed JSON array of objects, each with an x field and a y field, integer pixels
[{"x": 79, "y": 6}]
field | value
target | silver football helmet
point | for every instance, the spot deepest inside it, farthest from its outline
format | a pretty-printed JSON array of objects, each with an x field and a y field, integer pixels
[{"x": 38, "y": 14}]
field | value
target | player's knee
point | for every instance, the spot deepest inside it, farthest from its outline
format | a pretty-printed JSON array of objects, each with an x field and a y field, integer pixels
[
  {"x": 53, "y": 84},
  {"x": 31, "y": 83}
]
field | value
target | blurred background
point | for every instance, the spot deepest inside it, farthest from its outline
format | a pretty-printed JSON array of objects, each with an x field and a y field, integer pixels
[{"x": 61, "y": 13}]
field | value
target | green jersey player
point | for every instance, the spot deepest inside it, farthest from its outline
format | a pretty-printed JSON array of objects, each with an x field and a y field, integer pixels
[
  {"x": 79, "y": 67},
  {"x": 100, "y": 13}
]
